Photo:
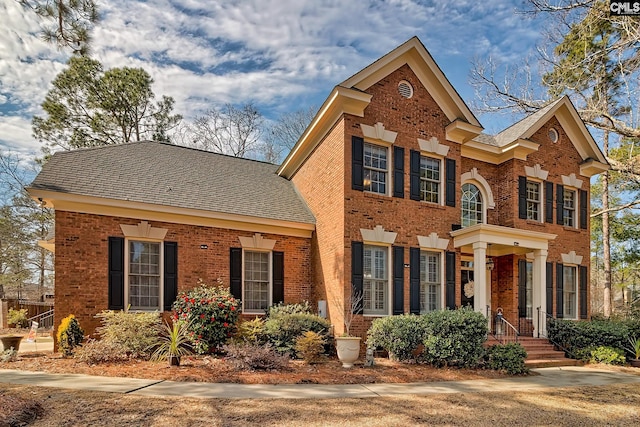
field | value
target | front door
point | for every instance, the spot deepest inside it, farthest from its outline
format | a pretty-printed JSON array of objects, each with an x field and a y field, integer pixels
[{"x": 468, "y": 290}]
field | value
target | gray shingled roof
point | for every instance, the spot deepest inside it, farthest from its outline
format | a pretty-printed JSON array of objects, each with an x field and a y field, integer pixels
[
  {"x": 518, "y": 129},
  {"x": 171, "y": 175}
]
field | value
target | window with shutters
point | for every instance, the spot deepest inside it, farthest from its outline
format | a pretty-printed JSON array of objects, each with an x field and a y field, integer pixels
[
  {"x": 534, "y": 200},
  {"x": 256, "y": 289},
  {"x": 375, "y": 168},
  {"x": 570, "y": 294},
  {"x": 375, "y": 289},
  {"x": 430, "y": 282},
  {"x": 569, "y": 208},
  {"x": 430, "y": 178},
  {"x": 528, "y": 294},
  {"x": 472, "y": 208},
  {"x": 144, "y": 277}
]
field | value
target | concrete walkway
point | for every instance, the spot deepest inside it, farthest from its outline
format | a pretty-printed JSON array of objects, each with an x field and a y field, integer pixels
[{"x": 546, "y": 378}]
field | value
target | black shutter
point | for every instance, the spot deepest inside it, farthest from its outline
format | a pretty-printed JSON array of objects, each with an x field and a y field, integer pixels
[
  {"x": 582, "y": 276},
  {"x": 450, "y": 261},
  {"x": 522, "y": 197},
  {"x": 398, "y": 280},
  {"x": 236, "y": 272},
  {"x": 398, "y": 172},
  {"x": 450, "y": 199},
  {"x": 116, "y": 273},
  {"x": 357, "y": 162},
  {"x": 522, "y": 288},
  {"x": 414, "y": 281},
  {"x": 414, "y": 175},
  {"x": 550, "y": 288},
  {"x": 278, "y": 277},
  {"x": 170, "y": 274},
  {"x": 357, "y": 279},
  {"x": 560, "y": 204},
  {"x": 548, "y": 202},
  {"x": 559, "y": 292},
  {"x": 583, "y": 209}
]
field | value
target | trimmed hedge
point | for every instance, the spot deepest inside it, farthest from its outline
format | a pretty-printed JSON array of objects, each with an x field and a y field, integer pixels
[{"x": 508, "y": 358}]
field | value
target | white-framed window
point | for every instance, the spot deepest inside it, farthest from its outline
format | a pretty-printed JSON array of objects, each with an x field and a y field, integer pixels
[
  {"x": 375, "y": 287},
  {"x": 528, "y": 294},
  {"x": 534, "y": 200},
  {"x": 143, "y": 288},
  {"x": 570, "y": 292},
  {"x": 472, "y": 209},
  {"x": 430, "y": 179},
  {"x": 256, "y": 281},
  {"x": 376, "y": 168},
  {"x": 569, "y": 208},
  {"x": 430, "y": 281}
]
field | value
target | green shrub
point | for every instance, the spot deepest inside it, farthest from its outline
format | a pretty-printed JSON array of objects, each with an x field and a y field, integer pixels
[
  {"x": 174, "y": 342},
  {"x": 281, "y": 308},
  {"x": 608, "y": 355},
  {"x": 282, "y": 330},
  {"x": 134, "y": 333},
  {"x": 251, "y": 356},
  {"x": 250, "y": 331},
  {"x": 508, "y": 358},
  {"x": 212, "y": 313},
  {"x": 94, "y": 352},
  {"x": 310, "y": 347},
  {"x": 454, "y": 338},
  {"x": 18, "y": 318},
  {"x": 70, "y": 335},
  {"x": 400, "y": 336},
  {"x": 575, "y": 337}
]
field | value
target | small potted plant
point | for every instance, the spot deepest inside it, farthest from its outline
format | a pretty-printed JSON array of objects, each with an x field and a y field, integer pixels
[
  {"x": 174, "y": 343},
  {"x": 347, "y": 346},
  {"x": 634, "y": 349}
]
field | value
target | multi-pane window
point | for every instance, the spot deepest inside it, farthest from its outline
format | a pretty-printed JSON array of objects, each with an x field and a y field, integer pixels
[
  {"x": 376, "y": 280},
  {"x": 569, "y": 289},
  {"x": 256, "y": 281},
  {"x": 144, "y": 275},
  {"x": 430, "y": 284},
  {"x": 429, "y": 179},
  {"x": 375, "y": 169},
  {"x": 533, "y": 200},
  {"x": 529, "y": 290},
  {"x": 569, "y": 208},
  {"x": 471, "y": 205}
]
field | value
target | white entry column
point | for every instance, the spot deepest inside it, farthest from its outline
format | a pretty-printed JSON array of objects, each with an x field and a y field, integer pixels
[
  {"x": 480, "y": 277},
  {"x": 540, "y": 292}
]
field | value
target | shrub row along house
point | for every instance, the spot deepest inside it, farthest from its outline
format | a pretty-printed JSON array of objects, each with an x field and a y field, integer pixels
[{"x": 393, "y": 190}]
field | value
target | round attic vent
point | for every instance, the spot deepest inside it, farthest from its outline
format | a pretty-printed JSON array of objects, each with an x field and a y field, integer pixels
[
  {"x": 405, "y": 89},
  {"x": 553, "y": 135}
]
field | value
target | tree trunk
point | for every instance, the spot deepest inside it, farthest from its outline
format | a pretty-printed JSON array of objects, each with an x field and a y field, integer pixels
[{"x": 606, "y": 236}]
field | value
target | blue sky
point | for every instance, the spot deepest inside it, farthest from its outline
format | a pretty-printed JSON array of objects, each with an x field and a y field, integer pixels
[{"x": 283, "y": 55}]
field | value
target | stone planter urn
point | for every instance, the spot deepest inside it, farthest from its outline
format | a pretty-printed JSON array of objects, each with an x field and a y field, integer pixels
[
  {"x": 348, "y": 349},
  {"x": 9, "y": 341}
]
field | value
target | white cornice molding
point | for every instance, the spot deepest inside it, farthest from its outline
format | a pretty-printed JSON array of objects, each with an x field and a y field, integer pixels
[
  {"x": 257, "y": 242},
  {"x": 474, "y": 175},
  {"x": 378, "y": 235},
  {"x": 571, "y": 258},
  {"x": 378, "y": 132},
  {"x": 572, "y": 181},
  {"x": 432, "y": 241},
  {"x": 433, "y": 146},
  {"x": 143, "y": 230},
  {"x": 536, "y": 171}
]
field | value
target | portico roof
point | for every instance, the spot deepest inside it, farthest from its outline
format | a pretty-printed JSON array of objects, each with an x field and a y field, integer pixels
[{"x": 500, "y": 240}]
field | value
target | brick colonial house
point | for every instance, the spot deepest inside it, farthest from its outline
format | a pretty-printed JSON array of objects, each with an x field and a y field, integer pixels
[{"x": 392, "y": 189}]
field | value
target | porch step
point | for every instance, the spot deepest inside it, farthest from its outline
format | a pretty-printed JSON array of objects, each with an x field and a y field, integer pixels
[
  {"x": 540, "y": 353},
  {"x": 551, "y": 363}
]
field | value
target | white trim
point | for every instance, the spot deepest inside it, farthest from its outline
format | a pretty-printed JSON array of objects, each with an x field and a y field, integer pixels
[
  {"x": 377, "y": 132},
  {"x": 571, "y": 181},
  {"x": 126, "y": 273},
  {"x": 433, "y": 146},
  {"x": 388, "y": 183},
  {"x": 143, "y": 230},
  {"x": 389, "y": 307},
  {"x": 536, "y": 171},
  {"x": 442, "y": 277},
  {"x": 269, "y": 275},
  {"x": 432, "y": 242},
  {"x": 474, "y": 177},
  {"x": 378, "y": 235},
  {"x": 257, "y": 242},
  {"x": 571, "y": 258},
  {"x": 577, "y": 291}
]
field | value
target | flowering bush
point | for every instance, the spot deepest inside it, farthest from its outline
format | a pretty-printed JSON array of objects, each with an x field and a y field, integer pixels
[{"x": 212, "y": 313}]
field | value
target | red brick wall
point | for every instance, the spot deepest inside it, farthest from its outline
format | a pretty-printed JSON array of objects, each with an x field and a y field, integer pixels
[{"x": 81, "y": 261}]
